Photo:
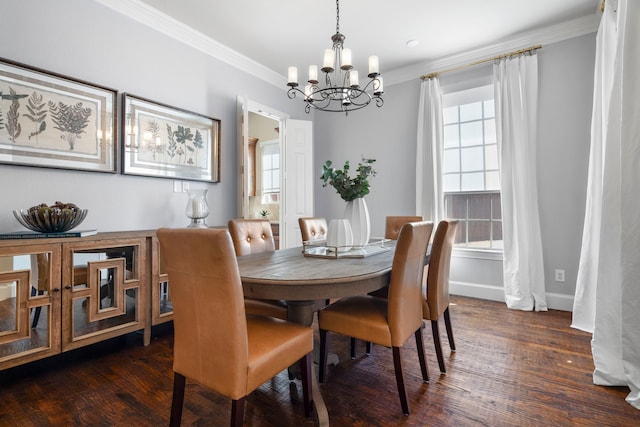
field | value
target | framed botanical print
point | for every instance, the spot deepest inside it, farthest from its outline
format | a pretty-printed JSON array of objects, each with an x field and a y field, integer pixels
[
  {"x": 55, "y": 121},
  {"x": 163, "y": 141}
]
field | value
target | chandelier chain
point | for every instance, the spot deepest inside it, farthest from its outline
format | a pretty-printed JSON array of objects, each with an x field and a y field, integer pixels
[{"x": 337, "y": 16}]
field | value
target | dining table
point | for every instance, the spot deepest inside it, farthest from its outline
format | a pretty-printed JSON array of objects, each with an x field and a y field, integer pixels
[{"x": 306, "y": 281}]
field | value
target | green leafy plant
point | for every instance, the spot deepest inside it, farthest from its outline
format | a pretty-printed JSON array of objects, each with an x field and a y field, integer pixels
[
  {"x": 264, "y": 213},
  {"x": 349, "y": 188}
]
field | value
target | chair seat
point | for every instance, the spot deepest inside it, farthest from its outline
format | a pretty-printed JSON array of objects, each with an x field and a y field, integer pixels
[
  {"x": 363, "y": 317},
  {"x": 273, "y": 345}
]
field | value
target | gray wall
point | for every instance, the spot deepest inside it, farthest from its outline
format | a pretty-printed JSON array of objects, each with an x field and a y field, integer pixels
[
  {"x": 389, "y": 135},
  {"x": 87, "y": 41},
  {"x": 84, "y": 40}
]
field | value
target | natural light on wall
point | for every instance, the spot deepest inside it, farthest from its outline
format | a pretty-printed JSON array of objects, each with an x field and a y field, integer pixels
[{"x": 471, "y": 181}]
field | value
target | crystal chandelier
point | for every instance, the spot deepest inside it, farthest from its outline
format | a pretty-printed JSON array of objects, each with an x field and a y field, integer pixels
[{"x": 342, "y": 91}]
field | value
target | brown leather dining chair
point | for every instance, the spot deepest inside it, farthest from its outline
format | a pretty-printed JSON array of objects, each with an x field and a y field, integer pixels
[
  {"x": 251, "y": 236},
  {"x": 435, "y": 303},
  {"x": 216, "y": 343},
  {"x": 313, "y": 229},
  {"x": 393, "y": 224},
  {"x": 386, "y": 321}
]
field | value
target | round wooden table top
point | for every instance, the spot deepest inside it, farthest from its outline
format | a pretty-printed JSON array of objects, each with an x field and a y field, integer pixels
[{"x": 288, "y": 274}]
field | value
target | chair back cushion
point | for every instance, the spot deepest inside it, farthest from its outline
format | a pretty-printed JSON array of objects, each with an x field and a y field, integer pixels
[
  {"x": 436, "y": 299},
  {"x": 210, "y": 327},
  {"x": 313, "y": 229},
  {"x": 251, "y": 236},
  {"x": 395, "y": 223},
  {"x": 405, "y": 288}
]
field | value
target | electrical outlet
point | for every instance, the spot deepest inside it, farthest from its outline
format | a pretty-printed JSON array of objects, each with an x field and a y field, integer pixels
[{"x": 559, "y": 275}]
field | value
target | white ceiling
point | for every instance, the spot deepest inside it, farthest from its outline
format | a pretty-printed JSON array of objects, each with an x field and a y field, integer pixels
[{"x": 280, "y": 33}]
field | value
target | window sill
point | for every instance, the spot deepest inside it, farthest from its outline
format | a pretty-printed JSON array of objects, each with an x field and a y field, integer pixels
[{"x": 488, "y": 254}]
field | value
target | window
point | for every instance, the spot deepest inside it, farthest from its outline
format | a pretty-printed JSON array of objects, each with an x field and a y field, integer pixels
[
  {"x": 471, "y": 180},
  {"x": 270, "y": 180}
]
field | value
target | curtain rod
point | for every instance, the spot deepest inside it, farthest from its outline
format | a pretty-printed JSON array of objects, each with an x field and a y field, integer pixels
[{"x": 506, "y": 55}]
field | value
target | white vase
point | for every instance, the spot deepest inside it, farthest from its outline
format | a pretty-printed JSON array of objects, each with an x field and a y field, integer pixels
[
  {"x": 339, "y": 235},
  {"x": 357, "y": 213}
]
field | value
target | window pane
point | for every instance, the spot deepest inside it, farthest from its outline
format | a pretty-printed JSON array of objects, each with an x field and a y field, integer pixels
[
  {"x": 489, "y": 108},
  {"x": 451, "y": 136},
  {"x": 479, "y": 234},
  {"x": 472, "y": 159},
  {"x": 490, "y": 131},
  {"x": 276, "y": 161},
  {"x": 471, "y": 133},
  {"x": 451, "y": 161},
  {"x": 491, "y": 157},
  {"x": 276, "y": 180},
  {"x": 451, "y": 182},
  {"x": 493, "y": 181},
  {"x": 471, "y": 111},
  {"x": 472, "y": 181},
  {"x": 450, "y": 115},
  {"x": 480, "y": 206}
]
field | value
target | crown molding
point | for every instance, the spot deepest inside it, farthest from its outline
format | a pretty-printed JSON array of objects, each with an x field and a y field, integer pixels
[
  {"x": 146, "y": 15},
  {"x": 542, "y": 36}
]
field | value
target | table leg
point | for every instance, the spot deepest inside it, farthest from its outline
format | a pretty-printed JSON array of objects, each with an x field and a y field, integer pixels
[{"x": 301, "y": 312}]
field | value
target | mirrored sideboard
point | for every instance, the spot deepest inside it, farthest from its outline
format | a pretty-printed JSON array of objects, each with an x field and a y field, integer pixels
[{"x": 58, "y": 294}]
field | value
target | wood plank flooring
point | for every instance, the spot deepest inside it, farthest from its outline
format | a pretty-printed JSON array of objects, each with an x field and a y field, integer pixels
[{"x": 511, "y": 368}]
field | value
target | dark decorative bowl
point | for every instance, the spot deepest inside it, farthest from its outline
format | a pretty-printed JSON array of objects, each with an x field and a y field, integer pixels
[{"x": 50, "y": 219}]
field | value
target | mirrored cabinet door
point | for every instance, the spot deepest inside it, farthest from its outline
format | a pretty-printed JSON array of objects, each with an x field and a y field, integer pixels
[
  {"x": 29, "y": 303},
  {"x": 103, "y": 291},
  {"x": 161, "y": 305}
]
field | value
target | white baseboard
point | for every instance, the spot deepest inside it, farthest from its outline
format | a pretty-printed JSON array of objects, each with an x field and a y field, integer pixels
[{"x": 555, "y": 301}]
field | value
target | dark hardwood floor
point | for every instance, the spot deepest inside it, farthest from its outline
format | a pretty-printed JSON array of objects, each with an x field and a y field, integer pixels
[{"x": 511, "y": 368}]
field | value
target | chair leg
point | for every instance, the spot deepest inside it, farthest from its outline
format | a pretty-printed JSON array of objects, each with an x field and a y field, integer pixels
[
  {"x": 353, "y": 348},
  {"x": 438, "y": 346},
  {"x": 402, "y": 391},
  {"x": 305, "y": 369},
  {"x": 421, "y": 358},
  {"x": 177, "y": 400},
  {"x": 447, "y": 323},
  {"x": 237, "y": 412},
  {"x": 324, "y": 353},
  {"x": 37, "y": 310},
  {"x": 368, "y": 345}
]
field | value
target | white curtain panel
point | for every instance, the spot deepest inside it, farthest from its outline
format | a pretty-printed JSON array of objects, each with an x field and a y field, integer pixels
[
  {"x": 607, "y": 300},
  {"x": 516, "y": 104},
  {"x": 429, "y": 199}
]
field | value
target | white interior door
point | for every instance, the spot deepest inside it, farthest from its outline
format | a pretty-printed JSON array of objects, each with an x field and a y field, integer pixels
[{"x": 297, "y": 180}]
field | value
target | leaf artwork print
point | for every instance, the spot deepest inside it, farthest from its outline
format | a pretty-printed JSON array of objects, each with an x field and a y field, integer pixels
[
  {"x": 71, "y": 120},
  {"x": 37, "y": 113},
  {"x": 13, "y": 126}
]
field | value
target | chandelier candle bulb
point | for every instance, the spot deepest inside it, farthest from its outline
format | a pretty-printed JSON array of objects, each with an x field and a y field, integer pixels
[
  {"x": 313, "y": 74},
  {"x": 353, "y": 79},
  {"x": 346, "y": 59},
  {"x": 293, "y": 76},
  {"x": 374, "y": 67},
  {"x": 329, "y": 58}
]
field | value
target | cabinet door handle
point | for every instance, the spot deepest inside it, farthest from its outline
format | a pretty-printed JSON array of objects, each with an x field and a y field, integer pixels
[
  {"x": 56, "y": 289},
  {"x": 68, "y": 287}
]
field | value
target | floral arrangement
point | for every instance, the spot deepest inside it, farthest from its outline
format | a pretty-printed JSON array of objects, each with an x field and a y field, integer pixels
[{"x": 349, "y": 188}]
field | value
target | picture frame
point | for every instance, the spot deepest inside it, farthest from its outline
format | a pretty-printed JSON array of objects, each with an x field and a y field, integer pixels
[
  {"x": 55, "y": 121},
  {"x": 159, "y": 140}
]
